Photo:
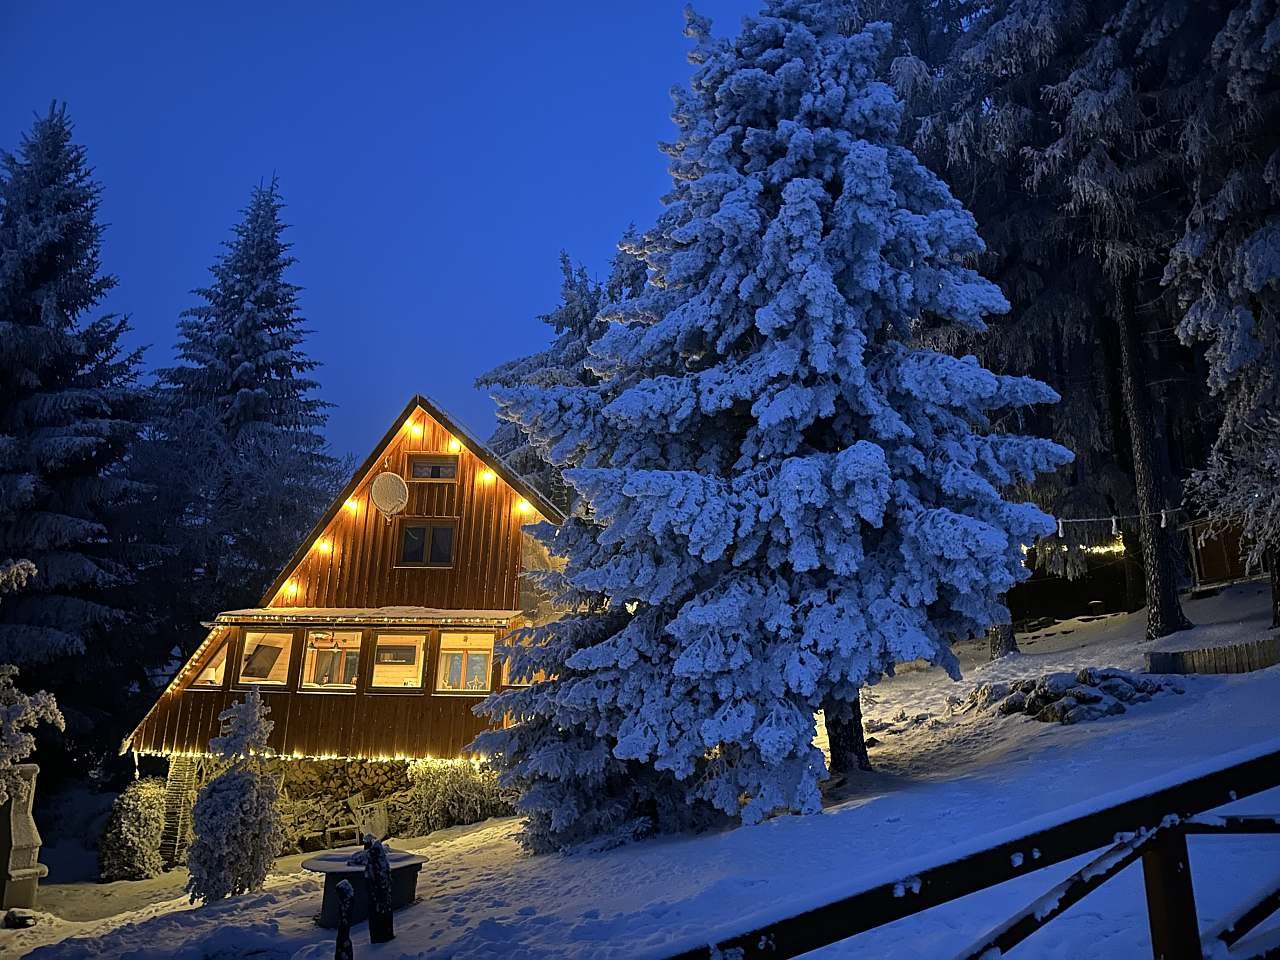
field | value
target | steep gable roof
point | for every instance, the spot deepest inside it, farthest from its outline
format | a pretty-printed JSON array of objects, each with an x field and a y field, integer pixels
[{"x": 540, "y": 501}]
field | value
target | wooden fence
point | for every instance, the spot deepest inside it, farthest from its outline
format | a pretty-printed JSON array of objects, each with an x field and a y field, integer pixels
[{"x": 1148, "y": 823}]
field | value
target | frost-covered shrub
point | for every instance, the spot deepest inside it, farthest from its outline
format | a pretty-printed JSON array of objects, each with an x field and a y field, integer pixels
[
  {"x": 236, "y": 820},
  {"x": 129, "y": 848},
  {"x": 450, "y": 793},
  {"x": 20, "y": 714}
]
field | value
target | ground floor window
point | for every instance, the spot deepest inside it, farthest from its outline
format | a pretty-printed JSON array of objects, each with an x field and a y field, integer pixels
[
  {"x": 332, "y": 659},
  {"x": 398, "y": 660},
  {"x": 466, "y": 661},
  {"x": 266, "y": 658},
  {"x": 215, "y": 669}
]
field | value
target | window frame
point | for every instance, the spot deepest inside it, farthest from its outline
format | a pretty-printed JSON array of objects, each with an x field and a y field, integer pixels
[
  {"x": 289, "y": 681},
  {"x": 441, "y": 650},
  {"x": 408, "y": 632},
  {"x": 225, "y": 645},
  {"x": 414, "y": 456},
  {"x": 341, "y": 690},
  {"x": 429, "y": 523}
]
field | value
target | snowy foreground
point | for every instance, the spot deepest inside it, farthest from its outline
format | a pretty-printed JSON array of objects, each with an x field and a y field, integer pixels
[{"x": 944, "y": 782}]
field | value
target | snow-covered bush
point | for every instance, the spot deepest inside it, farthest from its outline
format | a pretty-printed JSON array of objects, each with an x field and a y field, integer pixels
[
  {"x": 129, "y": 848},
  {"x": 236, "y": 820},
  {"x": 20, "y": 714},
  {"x": 784, "y": 494},
  {"x": 451, "y": 793}
]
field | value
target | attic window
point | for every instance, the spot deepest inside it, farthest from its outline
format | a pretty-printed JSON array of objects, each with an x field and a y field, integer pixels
[
  {"x": 266, "y": 658},
  {"x": 214, "y": 670},
  {"x": 426, "y": 543},
  {"x": 433, "y": 467}
]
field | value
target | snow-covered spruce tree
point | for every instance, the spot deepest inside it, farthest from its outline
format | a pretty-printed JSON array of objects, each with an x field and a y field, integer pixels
[
  {"x": 240, "y": 466},
  {"x": 576, "y": 322},
  {"x": 236, "y": 821},
  {"x": 1240, "y": 490},
  {"x": 791, "y": 497},
  {"x": 1226, "y": 269},
  {"x": 988, "y": 105},
  {"x": 69, "y": 408}
]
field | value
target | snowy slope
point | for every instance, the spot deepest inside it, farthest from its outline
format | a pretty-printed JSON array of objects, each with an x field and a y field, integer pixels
[{"x": 943, "y": 782}]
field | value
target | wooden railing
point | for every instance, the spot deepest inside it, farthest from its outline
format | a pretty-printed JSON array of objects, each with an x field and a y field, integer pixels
[{"x": 1149, "y": 822}]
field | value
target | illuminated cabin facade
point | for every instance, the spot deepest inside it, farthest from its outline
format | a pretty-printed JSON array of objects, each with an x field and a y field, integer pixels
[{"x": 376, "y": 640}]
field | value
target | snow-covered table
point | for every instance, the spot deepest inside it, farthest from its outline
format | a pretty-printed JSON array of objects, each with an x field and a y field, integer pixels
[{"x": 334, "y": 866}]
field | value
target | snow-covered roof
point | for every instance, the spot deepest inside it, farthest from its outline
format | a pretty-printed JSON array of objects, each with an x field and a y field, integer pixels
[{"x": 364, "y": 615}]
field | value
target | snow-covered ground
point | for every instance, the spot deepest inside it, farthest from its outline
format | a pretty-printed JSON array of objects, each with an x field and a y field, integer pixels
[{"x": 943, "y": 782}]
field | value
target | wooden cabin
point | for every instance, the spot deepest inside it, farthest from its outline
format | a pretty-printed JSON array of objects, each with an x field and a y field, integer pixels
[{"x": 376, "y": 640}]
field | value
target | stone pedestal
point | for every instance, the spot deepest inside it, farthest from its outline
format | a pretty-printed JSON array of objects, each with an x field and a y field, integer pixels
[{"x": 20, "y": 869}]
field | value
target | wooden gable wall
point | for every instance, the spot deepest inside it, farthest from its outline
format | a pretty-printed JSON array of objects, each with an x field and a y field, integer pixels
[{"x": 352, "y": 562}]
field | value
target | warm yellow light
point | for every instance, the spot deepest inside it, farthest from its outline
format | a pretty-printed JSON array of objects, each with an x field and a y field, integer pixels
[
  {"x": 455, "y": 445},
  {"x": 324, "y": 545},
  {"x": 290, "y": 589},
  {"x": 415, "y": 429},
  {"x": 487, "y": 476},
  {"x": 1115, "y": 546},
  {"x": 352, "y": 505},
  {"x": 523, "y": 506}
]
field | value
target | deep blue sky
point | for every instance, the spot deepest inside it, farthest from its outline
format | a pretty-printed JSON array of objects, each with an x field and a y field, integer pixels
[{"x": 435, "y": 158}]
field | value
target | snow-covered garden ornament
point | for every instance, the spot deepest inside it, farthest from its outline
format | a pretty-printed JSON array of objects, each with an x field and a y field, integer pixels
[
  {"x": 342, "y": 949},
  {"x": 236, "y": 820},
  {"x": 377, "y": 882},
  {"x": 785, "y": 495}
]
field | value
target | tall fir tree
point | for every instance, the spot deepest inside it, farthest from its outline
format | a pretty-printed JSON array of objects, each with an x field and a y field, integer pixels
[
  {"x": 577, "y": 322},
  {"x": 1064, "y": 120},
  {"x": 1226, "y": 270},
  {"x": 240, "y": 467},
  {"x": 69, "y": 410},
  {"x": 792, "y": 496}
]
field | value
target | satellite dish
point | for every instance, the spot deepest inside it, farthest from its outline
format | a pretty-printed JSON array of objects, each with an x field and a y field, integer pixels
[{"x": 389, "y": 493}]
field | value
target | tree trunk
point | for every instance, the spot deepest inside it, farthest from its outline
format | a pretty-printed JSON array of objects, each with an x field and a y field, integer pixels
[
  {"x": 1133, "y": 596},
  {"x": 1002, "y": 639},
  {"x": 845, "y": 737},
  {"x": 1164, "y": 612},
  {"x": 1273, "y": 563}
]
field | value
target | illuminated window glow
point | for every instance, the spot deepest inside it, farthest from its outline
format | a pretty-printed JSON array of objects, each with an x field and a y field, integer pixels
[
  {"x": 331, "y": 660},
  {"x": 466, "y": 663}
]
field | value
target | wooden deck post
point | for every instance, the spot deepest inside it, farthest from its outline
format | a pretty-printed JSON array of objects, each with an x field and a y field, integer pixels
[{"x": 1171, "y": 901}]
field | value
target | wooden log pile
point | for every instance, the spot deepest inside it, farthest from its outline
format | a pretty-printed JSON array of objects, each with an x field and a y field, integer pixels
[{"x": 317, "y": 795}]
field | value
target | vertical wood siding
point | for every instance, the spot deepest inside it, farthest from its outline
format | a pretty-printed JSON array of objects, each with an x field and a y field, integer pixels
[{"x": 358, "y": 570}]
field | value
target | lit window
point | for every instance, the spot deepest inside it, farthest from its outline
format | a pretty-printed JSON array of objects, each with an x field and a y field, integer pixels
[
  {"x": 215, "y": 669},
  {"x": 440, "y": 468},
  {"x": 266, "y": 658},
  {"x": 466, "y": 661},
  {"x": 332, "y": 659},
  {"x": 426, "y": 543},
  {"x": 397, "y": 661}
]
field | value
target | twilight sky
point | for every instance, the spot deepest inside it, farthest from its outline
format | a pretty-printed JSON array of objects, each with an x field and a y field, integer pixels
[{"x": 435, "y": 158}]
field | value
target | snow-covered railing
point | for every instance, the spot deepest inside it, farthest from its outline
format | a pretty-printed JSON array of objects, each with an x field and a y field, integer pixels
[{"x": 1149, "y": 821}]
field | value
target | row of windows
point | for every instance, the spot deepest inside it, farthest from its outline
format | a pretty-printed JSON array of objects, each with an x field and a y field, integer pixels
[{"x": 331, "y": 661}]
